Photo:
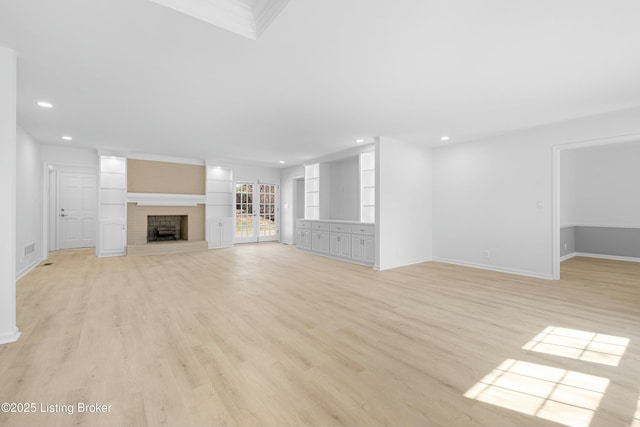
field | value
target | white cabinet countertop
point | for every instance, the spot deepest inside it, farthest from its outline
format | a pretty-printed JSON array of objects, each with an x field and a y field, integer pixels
[{"x": 336, "y": 221}]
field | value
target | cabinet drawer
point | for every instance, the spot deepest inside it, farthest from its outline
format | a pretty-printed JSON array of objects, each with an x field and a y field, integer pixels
[
  {"x": 340, "y": 228},
  {"x": 365, "y": 230},
  {"x": 320, "y": 226},
  {"x": 304, "y": 224}
]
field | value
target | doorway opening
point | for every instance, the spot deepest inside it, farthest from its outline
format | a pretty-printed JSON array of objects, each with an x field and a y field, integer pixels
[{"x": 571, "y": 232}]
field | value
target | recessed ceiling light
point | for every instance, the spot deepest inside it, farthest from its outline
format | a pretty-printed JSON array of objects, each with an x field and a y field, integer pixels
[
  {"x": 282, "y": 162},
  {"x": 45, "y": 104},
  {"x": 444, "y": 138},
  {"x": 360, "y": 141},
  {"x": 67, "y": 138}
]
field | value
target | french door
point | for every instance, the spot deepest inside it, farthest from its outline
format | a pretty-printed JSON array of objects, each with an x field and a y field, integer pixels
[{"x": 257, "y": 212}]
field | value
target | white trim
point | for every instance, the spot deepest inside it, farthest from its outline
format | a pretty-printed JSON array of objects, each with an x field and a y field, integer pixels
[
  {"x": 611, "y": 257},
  {"x": 168, "y": 159},
  {"x": 28, "y": 269},
  {"x": 10, "y": 337},
  {"x": 601, "y": 225},
  {"x": 337, "y": 258},
  {"x": 404, "y": 264},
  {"x": 568, "y": 256},
  {"x": 555, "y": 213},
  {"x": 494, "y": 268},
  {"x": 164, "y": 199},
  {"x": 264, "y": 12}
]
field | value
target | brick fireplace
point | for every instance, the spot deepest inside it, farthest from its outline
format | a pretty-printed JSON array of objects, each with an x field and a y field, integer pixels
[{"x": 189, "y": 222}]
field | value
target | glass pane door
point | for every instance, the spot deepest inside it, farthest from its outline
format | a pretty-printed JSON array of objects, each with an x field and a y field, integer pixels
[
  {"x": 256, "y": 212},
  {"x": 268, "y": 230},
  {"x": 244, "y": 212}
]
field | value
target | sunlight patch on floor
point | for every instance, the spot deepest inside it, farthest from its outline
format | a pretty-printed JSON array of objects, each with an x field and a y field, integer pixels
[
  {"x": 565, "y": 397},
  {"x": 581, "y": 345}
]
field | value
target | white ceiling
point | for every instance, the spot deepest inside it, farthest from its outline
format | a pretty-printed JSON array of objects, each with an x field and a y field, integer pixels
[{"x": 133, "y": 75}]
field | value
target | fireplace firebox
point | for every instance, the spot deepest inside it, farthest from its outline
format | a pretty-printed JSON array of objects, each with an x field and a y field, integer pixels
[{"x": 167, "y": 227}]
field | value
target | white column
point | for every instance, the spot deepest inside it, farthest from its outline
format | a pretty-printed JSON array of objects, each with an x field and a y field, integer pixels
[{"x": 8, "y": 329}]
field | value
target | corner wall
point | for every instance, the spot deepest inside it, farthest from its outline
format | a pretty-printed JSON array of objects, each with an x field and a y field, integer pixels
[
  {"x": 8, "y": 72},
  {"x": 403, "y": 204},
  {"x": 28, "y": 203}
]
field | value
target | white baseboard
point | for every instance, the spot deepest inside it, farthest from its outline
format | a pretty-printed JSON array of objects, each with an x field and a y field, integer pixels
[
  {"x": 403, "y": 264},
  {"x": 27, "y": 269},
  {"x": 111, "y": 255},
  {"x": 495, "y": 268},
  {"x": 219, "y": 246},
  {"x": 10, "y": 337},
  {"x": 612, "y": 257},
  {"x": 568, "y": 256}
]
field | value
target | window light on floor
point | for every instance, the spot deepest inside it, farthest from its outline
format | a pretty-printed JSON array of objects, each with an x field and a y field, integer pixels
[
  {"x": 581, "y": 345},
  {"x": 566, "y": 397}
]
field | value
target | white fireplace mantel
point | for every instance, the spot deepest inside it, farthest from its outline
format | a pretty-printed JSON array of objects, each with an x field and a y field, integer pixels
[{"x": 164, "y": 199}]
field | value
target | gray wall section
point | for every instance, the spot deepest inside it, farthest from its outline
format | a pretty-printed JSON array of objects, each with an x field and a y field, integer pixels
[
  {"x": 613, "y": 241},
  {"x": 567, "y": 240}
]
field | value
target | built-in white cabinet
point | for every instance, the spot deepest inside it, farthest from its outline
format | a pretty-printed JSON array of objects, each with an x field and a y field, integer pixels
[
  {"x": 112, "y": 207},
  {"x": 340, "y": 245},
  {"x": 350, "y": 241},
  {"x": 220, "y": 232},
  {"x": 362, "y": 243},
  {"x": 219, "y": 207},
  {"x": 303, "y": 235},
  {"x": 320, "y": 237},
  {"x": 113, "y": 237}
]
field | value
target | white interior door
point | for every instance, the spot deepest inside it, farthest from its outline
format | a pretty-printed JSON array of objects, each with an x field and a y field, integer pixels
[
  {"x": 257, "y": 212},
  {"x": 77, "y": 210}
]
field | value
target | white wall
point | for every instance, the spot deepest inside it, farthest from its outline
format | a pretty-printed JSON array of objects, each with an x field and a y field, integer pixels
[
  {"x": 344, "y": 190},
  {"x": 249, "y": 172},
  {"x": 299, "y": 198},
  {"x": 287, "y": 202},
  {"x": 403, "y": 204},
  {"x": 495, "y": 195},
  {"x": 568, "y": 188},
  {"x": 71, "y": 156},
  {"x": 28, "y": 201},
  {"x": 607, "y": 185},
  {"x": 8, "y": 328}
]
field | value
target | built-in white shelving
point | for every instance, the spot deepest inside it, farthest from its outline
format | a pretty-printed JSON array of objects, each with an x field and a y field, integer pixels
[
  {"x": 368, "y": 187},
  {"x": 219, "y": 207},
  {"x": 316, "y": 194},
  {"x": 112, "y": 209}
]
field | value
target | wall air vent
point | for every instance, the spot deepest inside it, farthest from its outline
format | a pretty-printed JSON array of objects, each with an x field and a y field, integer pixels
[{"x": 30, "y": 248}]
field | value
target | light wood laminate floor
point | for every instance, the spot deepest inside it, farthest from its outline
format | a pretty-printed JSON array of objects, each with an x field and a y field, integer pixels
[{"x": 266, "y": 335}]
